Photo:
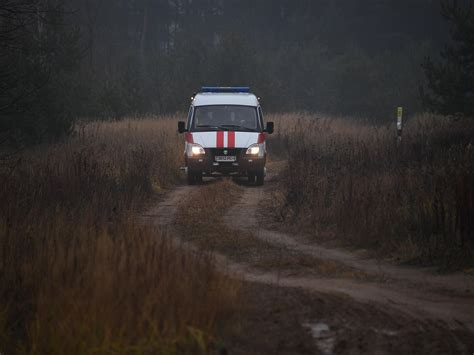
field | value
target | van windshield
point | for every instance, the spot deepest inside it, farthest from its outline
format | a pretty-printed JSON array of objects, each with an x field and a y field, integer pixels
[{"x": 225, "y": 117}]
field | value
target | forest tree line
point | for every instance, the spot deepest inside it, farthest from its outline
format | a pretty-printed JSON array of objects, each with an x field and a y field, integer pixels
[{"x": 64, "y": 59}]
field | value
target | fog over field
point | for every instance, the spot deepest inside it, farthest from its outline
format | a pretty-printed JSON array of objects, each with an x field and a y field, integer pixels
[{"x": 236, "y": 177}]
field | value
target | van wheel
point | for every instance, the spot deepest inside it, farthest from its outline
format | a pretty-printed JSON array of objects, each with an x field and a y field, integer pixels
[
  {"x": 198, "y": 177},
  {"x": 191, "y": 178},
  {"x": 194, "y": 177},
  {"x": 260, "y": 178},
  {"x": 251, "y": 178}
]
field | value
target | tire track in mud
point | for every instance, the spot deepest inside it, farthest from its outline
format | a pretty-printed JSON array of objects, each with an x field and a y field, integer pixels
[
  {"x": 400, "y": 295},
  {"x": 245, "y": 215},
  {"x": 163, "y": 213},
  {"x": 419, "y": 293}
]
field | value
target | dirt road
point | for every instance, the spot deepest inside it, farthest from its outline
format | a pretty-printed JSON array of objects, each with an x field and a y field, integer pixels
[
  {"x": 422, "y": 293},
  {"x": 391, "y": 305}
]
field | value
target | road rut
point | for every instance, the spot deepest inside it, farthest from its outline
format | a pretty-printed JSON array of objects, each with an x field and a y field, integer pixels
[{"x": 414, "y": 292}]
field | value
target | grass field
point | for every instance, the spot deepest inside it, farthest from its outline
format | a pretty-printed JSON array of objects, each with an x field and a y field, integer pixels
[
  {"x": 353, "y": 182},
  {"x": 78, "y": 274}
]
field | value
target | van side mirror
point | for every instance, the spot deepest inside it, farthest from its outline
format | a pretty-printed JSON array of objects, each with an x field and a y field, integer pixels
[
  {"x": 181, "y": 126},
  {"x": 269, "y": 128}
]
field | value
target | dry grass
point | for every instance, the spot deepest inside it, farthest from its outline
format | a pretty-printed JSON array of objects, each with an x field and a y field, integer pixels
[
  {"x": 211, "y": 233},
  {"x": 414, "y": 202},
  {"x": 77, "y": 274}
]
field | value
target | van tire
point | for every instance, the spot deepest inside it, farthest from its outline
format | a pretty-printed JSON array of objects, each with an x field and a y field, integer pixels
[
  {"x": 198, "y": 177},
  {"x": 260, "y": 178},
  {"x": 251, "y": 178},
  {"x": 191, "y": 178},
  {"x": 194, "y": 177}
]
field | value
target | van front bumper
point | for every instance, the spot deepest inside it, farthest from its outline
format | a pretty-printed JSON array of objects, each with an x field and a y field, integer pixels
[{"x": 242, "y": 166}]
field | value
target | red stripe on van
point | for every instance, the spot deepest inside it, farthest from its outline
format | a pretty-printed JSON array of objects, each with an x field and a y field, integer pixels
[
  {"x": 231, "y": 139},
  {"x": 220, "y": 139},
  {"x": 189, "y": 137},
  {"x": 261, "y": 138}
]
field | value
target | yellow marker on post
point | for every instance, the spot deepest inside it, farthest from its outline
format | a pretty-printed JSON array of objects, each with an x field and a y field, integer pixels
[
  {"x": 399, "y": 118},
  {"x": 399, "y": 124}
]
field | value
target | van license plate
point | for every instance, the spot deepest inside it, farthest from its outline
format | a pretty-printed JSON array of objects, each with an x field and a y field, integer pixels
[{"x": 226, "y": 158}]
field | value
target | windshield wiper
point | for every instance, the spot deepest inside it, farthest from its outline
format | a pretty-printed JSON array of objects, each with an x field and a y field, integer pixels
[
  {"x": 227, "y": 126},
  {"x": 206, "y": 126}
]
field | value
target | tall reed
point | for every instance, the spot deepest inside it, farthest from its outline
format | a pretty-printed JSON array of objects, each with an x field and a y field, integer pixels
[
  {"x": 413, "y": 201},
  {"x": 78, "y": 274}
]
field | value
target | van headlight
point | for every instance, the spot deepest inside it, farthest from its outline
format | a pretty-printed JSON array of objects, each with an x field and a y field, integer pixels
[
  {"x": 196, "y": 149},
  {"x": 253, "y": 150}
]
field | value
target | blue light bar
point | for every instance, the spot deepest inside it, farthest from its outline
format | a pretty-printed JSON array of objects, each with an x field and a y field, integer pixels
[{"x": 220, "y": 89}]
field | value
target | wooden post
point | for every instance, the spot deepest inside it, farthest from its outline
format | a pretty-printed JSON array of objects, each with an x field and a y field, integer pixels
[{"x": 399, "y": 124}]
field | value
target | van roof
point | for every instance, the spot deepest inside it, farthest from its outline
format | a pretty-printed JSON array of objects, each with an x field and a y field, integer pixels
[{"x": 206, "y": 99}]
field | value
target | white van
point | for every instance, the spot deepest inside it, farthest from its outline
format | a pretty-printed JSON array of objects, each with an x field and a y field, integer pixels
[{"x": 225, "y": 135}]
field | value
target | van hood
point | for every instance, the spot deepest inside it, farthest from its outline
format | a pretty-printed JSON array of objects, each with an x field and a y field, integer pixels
[{"x": 225, "y": 139}]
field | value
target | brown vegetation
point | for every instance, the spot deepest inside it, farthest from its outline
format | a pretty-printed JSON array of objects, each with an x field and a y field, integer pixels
[
  {"x": 202, "y": 221},
  {"x": 414, "y": 202},
  {"x": 77, "y": 273}
]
